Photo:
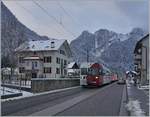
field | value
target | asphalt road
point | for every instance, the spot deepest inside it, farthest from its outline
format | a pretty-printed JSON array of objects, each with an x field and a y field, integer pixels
[
  {"x": 105, "y": 102},
  {"x": 102, "y": 101},
  {"x": 24, "y": 107}
]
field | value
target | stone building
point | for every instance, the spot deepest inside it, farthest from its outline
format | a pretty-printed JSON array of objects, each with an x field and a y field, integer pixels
[{"x": 141, "y": 60}]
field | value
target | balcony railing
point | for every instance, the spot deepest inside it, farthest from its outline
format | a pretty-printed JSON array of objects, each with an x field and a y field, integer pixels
[{"x": 137, "y": 57}]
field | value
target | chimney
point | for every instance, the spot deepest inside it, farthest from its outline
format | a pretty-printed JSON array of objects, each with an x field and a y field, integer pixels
[{"x": 52, "y": 44}]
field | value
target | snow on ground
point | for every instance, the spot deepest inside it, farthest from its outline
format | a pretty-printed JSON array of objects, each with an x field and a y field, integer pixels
[
  {"x": 28, "y": 94},
  {"x": 144, "y": 87},
  {"x": 12, "y": 91},
  {"x": 5, "y": 91},
  {"x": 134, "y": 107}
]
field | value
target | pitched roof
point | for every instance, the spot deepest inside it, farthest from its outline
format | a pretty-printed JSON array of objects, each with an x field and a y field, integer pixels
[
  {"x": 73, "y": 65},
  {"x": 138, "y": 44},
  {"x": 40, "y": 45}
]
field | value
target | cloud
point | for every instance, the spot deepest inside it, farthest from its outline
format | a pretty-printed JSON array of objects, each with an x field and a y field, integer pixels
[
  {"x": 117, "y": 15},
  {"x": 136, "y": 11}
]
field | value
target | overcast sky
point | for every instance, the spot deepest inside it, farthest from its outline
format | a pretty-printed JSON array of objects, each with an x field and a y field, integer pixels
[{"x": 78, "y": 15}]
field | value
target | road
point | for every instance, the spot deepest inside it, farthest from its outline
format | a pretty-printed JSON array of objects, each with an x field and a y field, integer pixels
[{"x": 103, "y": 101}]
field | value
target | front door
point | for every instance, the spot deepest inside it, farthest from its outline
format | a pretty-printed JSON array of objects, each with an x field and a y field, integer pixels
[{"x": 34, "y": 75}]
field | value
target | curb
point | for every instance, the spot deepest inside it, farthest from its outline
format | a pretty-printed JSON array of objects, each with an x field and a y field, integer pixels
[{"x": 123, "y": 111}]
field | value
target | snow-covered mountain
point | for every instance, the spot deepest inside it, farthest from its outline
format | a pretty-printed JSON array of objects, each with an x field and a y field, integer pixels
[
  {"x": 108, "y": 47},
  {"x": 104, "y": 46},
  {"x": 13, "y": 33}
]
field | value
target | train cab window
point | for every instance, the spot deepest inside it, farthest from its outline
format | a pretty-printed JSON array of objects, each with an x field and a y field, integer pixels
[{"x": 93, "y": 71}]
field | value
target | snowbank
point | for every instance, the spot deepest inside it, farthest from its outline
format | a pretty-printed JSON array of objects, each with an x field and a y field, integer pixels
[
  {"x": 134, "y": 107},
  {"x": 144, "y": 87},
  {"x": 10, "y": 90}
]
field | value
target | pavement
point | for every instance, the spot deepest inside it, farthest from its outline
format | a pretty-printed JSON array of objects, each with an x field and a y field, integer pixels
[{"x": 141, "y": 97}]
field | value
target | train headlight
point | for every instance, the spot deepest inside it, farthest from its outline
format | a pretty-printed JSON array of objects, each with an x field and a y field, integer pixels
[{"x": 96, "y": 77}]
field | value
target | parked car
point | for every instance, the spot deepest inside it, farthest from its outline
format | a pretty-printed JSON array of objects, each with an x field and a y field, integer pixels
[{"x": 121, "y": 81}]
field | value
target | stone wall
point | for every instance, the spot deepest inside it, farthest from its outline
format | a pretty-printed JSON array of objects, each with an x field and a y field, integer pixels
[{"x": 47, "y": 84}]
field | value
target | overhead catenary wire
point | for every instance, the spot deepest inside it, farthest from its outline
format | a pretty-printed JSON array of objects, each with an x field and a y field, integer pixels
[
  {"x": 75, "y": 20},
  {"x": 52, "y": 17},
  {"x": 59, "y": 4},
  {"x": 68, "y": 14},
  {"x": 28, "y": 11}
]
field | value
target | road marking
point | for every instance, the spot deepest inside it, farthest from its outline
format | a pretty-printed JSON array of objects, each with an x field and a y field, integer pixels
[{"x": 63, "y": 106}]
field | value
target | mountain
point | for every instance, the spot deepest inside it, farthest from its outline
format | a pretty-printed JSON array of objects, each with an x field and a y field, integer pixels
[
  {"x": 110, "y": 48},
  {"x": 104, "y": 46},
  {"x": 13, "y": 33}
]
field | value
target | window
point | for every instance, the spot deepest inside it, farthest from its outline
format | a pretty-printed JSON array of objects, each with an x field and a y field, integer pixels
[
  {"x": 47, "y": 59},
  {"x": 47, "y": 69},
  {"x": 62, "y": 52},
  {"x": 65, "y": 71},
  {"x": 21, "y": 60},
  {"x": 93, "y": 71},
  {"x": 35, "y": 63},
  {"x": 61, "y": 61},
  {"x": 57, "y": 71},
  {"x": 21, "y": 69},
  {"x": 58, "y": 60},
  {"x": 65, "y": 62}
]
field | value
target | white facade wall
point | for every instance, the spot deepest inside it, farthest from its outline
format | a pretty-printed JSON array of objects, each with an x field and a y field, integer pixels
[{"x": 53, "y": 53}]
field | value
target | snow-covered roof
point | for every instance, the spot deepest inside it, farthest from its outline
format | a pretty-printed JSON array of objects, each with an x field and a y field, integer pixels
[
  {"x": 127, "y": 72},
  {"x": 6, "y": 69},
  {"x": 41, "y": 45},
  {"x": 32, "y": 58},
  {"x": 131, "y": 72},
  {"x": 70, "y": 65},
  {"x": 134, "y": 72},
  {"x": 86, "y": 65}
]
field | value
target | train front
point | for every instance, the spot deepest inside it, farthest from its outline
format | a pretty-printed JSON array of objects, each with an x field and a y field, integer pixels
[{"x": 91, "y": 74}]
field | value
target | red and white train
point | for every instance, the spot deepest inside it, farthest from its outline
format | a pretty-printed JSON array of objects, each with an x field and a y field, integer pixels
[{"x": 95, "y": 74}]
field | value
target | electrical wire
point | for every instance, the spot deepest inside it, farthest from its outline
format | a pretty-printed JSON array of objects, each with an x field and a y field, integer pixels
[{"x": 52, "y": 17}]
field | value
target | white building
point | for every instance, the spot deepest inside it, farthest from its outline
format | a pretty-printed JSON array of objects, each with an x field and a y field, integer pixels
[
  {"x": 46, "y": 58},
  {"x": 73, "y": 69}
]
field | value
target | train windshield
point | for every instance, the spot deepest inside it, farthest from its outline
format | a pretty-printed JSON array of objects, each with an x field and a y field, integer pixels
[
  {"x": 90, "y": 71},
  {"x": 93, "y": 71}
]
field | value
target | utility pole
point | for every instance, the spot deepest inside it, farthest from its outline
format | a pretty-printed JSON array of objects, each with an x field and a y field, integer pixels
[{"x": 87, "y": 55}]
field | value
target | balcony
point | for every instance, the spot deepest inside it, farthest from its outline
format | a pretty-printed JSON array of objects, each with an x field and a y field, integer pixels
[
  {"x": 137, "y": 57},
  {"x": 32, "y": 68}
]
